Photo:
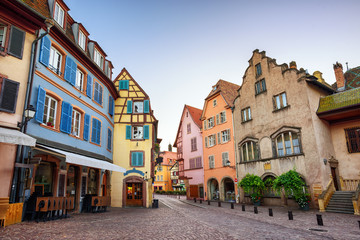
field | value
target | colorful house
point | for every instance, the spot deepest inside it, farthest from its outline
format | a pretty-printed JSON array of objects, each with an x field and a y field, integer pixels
[
  {"x": 72, "y": 92},
  {"x": 162, "y": 180},
  {"x": 217, "y": 133},
  {"x": 190, "y": 152},
  {"x": 134, "y": 144}
]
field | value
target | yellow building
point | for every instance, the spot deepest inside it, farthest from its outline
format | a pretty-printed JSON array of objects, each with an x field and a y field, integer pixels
[
  {"x": 163, "y": 180},
  {"x": 134, "y": 144}
]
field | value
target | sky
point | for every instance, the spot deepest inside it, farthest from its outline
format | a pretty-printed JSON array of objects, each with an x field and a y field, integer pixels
[{"x": 178, "y": 49}]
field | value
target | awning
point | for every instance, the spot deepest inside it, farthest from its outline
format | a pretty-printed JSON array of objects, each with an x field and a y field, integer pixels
[
  {"x": 86, "y": 161},
  {"x": 16, "y": 137}
]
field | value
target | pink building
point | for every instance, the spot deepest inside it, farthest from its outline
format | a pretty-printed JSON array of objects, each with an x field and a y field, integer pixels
[{"x": 190, "y": 152}]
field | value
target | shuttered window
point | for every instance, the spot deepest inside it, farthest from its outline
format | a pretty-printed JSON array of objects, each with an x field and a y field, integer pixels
[
  {"x": 45, "y": 51},
  {"x": 146, "y": 106},
  {"x": 211, "y": 161},
  {"x": 16, "y": 42},
  {"x": 225, "y": 158},
  {"x": 8, "y": 95},
  {"x": 129, "y": 107},
  {"x": 66, "y": 117},
  {"x": 86, "y": 127},
  {"x": 193, "y": 144},
  {"x": 124, "y": 85},
  {"x": 137, "y": 159},
  {"x": 70, "y": 70},
  {"x": 95, "y": 131},
  {"x": 109, "y": 139},
  {"x": 98, "y": 92},
  {"x": 89, "y": 86},
  {"x": 111, "y": 106}
]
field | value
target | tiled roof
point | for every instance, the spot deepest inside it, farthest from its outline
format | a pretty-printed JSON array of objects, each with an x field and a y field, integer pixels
[
  {"x": 40, "y": 6},
  {"x": 352, "y": 77},
  {"x": 195, "y": 114},
  {"x": 227, "y": 89},
  {"x": 339, "y": 100}
]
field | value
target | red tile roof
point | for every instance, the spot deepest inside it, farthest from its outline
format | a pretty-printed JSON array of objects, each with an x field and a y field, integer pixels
[
  {"x": 40, "y": 6},
  {"x": 195, "y": 114},
  {"x": 227, "y": 89}
]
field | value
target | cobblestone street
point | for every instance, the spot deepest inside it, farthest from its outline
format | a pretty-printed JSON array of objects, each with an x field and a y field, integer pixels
[{"x": 182, "y": 219}]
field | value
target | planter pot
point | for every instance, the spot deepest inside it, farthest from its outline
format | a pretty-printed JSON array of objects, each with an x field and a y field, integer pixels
[
  {"x": 305, "y": 207},
  {"x": 256, "y": 203}
]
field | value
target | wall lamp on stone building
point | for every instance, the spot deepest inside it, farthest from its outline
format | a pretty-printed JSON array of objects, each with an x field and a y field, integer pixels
[{"x": 325, "y": 161}]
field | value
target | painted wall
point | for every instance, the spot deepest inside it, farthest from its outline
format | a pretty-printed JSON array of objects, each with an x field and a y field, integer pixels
[
  {"x": 168, "y": 160},
  {"x": 219, "y": 172}
]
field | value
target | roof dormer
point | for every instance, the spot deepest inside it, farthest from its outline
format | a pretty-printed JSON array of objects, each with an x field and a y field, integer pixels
[
  {"x": 59, "y": 12},
  {"x": 81, "y": 35},
  {"x": 108, "y": 69},
  {"x": 97, "y": 54}
]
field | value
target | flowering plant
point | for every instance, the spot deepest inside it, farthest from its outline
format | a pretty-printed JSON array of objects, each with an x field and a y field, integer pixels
[
  {"x": 303, "y": 199},
  {"x": 255, "y": 197}
]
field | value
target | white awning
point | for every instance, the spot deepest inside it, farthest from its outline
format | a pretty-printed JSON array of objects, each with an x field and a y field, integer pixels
[
  {"x": 16, "y": 137},
  {"x": 86, "y": 161}
]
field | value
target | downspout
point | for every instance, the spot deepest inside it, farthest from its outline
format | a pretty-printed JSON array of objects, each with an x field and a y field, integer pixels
[
  {"x": 236, "y": 155},
  {"x": 20, "y": 148}
]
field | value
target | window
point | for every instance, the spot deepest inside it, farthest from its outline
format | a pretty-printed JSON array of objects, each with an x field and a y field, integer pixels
[
  {"x": 280, "y": 101},
  {"x": 109, "y": 139},
  {"x": 260, "y": 86},
  {"x": 287, "y": 143},
  {"x": 59, "y": 15},
  {"x": 79, "y": 79},
  {"x": 249, "y": 151},
  {"x": 55, "y": 60},
  {"x": 49, "y": 116},
  {"x": 211, "y": 161},
  {"x": 75, "y": 125},
  {"x": 193, "y": 144},
  {"x": 137, "y": 159},
  {"x": 96, "y": 131},
  {"x": 111, "y": 105},
  {"x": 225, "y": 136},
  {"x": 137, "y": 132},
  {"x": 258, "y": 69},
  {"x": 246, "y": 114},
  {"x": 98, "y": 91},
  {"x": 138, "y": 107},
  {"x": 159, "y": 168},
  {"x": 11, "y": 42},
  {"x": 210, "y": 122},
  {"x": 223, "y": 117},
  {"x": 8, "y": 95},
  {"x": 212, "y": 140},
  {"x": 3, "y": 32},
  {"x": 225, "y": 158},
  {"x": 214, "y": 103},
  {"x": 353, "y": 139},
  {"x": 82, "y": 40},
  {"x": 124, "y": 85},
  {"x": 98, "y": 58},
  {"x": 161, "y": 177}
]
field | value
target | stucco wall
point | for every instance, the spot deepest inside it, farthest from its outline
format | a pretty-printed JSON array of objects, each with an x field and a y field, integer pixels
[{"x": 8, "y": 152}]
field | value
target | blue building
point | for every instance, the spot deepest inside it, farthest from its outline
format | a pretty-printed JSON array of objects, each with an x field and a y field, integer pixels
[{"x": 72, "y": 92}]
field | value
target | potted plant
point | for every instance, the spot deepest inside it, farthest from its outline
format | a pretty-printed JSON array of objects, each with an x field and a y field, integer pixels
[
  {"x": 50, "y": 122},
  {"x": 293, "y": 185},
  {"x": 254, "y": 186}
]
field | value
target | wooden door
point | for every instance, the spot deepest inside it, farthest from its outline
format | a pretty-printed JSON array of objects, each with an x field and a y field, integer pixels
[
  {"x": 334, "y": 176},
  {"x": 194, "y": 191},
  {"x": 134, "y": 194}
]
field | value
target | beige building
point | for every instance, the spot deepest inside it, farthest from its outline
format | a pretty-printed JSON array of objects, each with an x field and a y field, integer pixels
[{"x": 276, "y": 126}]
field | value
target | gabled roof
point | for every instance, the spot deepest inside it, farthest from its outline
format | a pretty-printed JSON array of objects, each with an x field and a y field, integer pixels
[
  {"x": 227, "y": 89},
  {"x": 195, "y": 114}
]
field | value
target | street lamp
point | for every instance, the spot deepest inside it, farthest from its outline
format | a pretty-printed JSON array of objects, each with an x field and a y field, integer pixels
[{"x": 29, "y": 114}]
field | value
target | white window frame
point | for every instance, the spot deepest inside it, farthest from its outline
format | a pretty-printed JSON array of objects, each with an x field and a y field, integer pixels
[
  {"x": 98, "y": 58},
  {"x": 225, "y": 158},
  {"x": 82, "y": 40},
  {"x": 222, "y": 117},
  {"x": 55, "y": 60},
  {"x": 75, "y": 123},
  {"x": 79, "y": 84},
  {"x": 225, "y": 136},
  {"x": 211, "y": 123},
  {"x": 139, "y": 106},
  {"x": 59, "y": 15},
  {"x": 212, "y": 140},
  {"x": 139, "y": 134},
  {"x": 47, "y": 110},
  {"x": 3, "y": 35}
]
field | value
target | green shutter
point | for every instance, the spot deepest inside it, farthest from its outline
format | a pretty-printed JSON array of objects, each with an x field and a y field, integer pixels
[
  {"x": 128, "y": 132},
  {"x": 129, "y": 106},
  {"x": 146, "y": 131},
  {"x": 146, "y": 106}
]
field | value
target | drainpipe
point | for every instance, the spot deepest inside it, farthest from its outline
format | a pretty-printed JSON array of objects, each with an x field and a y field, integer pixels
[
  {"x": 15, "y": 183},
  {"x": 235, "y": 149}
]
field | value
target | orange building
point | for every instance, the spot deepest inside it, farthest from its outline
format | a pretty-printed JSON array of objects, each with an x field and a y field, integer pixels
[
  {"x": 218, "y": 142},
  {"x": 163, "y": 172}
]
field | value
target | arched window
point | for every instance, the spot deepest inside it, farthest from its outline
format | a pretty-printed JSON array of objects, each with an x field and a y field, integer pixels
[
  {"x": 249, "y": 151},
  {"x": 287, "y": 143}
]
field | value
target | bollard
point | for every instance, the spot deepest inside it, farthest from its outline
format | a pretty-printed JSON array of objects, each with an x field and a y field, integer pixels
[
  {"x": 359, "y": 224},
  {"x": 319, "y": 220},
  {"x": 270, "y": 212},
  {"x": 255, "y": 210},
  {"x": 232, "y": 205},
  {"x": 208, "y": 202},
  {"x": 195, "y": 200},
  {"x": 243, "y": 208},
  {"x": 219, "y": 204},
  {"x": 200, "y": 201},
  {"x": 290, "y": 215}
]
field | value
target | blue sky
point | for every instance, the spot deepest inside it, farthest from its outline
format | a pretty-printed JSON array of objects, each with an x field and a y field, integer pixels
[{"x": 177, "y": 49}]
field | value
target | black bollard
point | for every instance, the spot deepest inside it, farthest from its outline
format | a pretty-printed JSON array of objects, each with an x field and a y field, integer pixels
[
  {"x": 255, "y": 210},
  {"x": 208, "y": 202},
  {"x": 200, "y": 201},
  {"x": 243, "y": 208},
  {"x": 359, "y": 223},
  {"x": 270, "y": 212},
  {"x": 319, "y": 220},
  {"x": 219, "y": 204},
  {"x": 232, "y": 205},
  {"x": 290, "y": 215},
  {"x": 195, "y": 200}
]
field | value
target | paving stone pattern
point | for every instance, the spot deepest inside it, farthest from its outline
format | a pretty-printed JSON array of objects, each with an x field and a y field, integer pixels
[{"x": 184, "y": 219}]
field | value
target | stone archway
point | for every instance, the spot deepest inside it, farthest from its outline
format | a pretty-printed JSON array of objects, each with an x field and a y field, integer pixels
[
  {"x": 213, "y": 189},
  {"x": 134, "y": 192},
  {"x": 227, "y": 190}
]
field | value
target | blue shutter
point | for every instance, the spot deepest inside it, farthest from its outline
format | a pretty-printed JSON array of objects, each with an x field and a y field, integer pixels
[
  {"x": 73, "y": 73},
  {"x": 124, "y": 85},
  {"x": 86, "y": 126},
  {"x": 140, "y": 158},
  {"x": 133, "y": 158},
  {"x": 146, "y": 131},
  {"x": 66, "y": 115},
  {"x": 100, "y": 94},
  {"x": 109, "y": 139},
  {"x": 40, "y": 105},
  {"x": 45, "y": 51},
  {"x": 68, "y": 65},
  {"x": 93, "y": 130},
  {"x": 111, "y": 106},
  {"x": 98, "y": 135},
  {"x": 127, "y": 84},
  {"x": 121, "y": 85},
  {"x": 128, "y": 132},
  {"x": 129, "y": 106},
  {"x": 146, "y": 106},
  {"x": 89, "y": 86}
]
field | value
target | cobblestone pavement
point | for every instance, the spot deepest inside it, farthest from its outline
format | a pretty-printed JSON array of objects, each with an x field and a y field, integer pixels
[{"x": 184, "y": 219}]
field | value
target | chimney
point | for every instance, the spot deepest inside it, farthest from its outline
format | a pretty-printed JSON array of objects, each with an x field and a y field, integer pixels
[
  {"x": 293, "y": 65},
  {"x": 339, "y": 76}
]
